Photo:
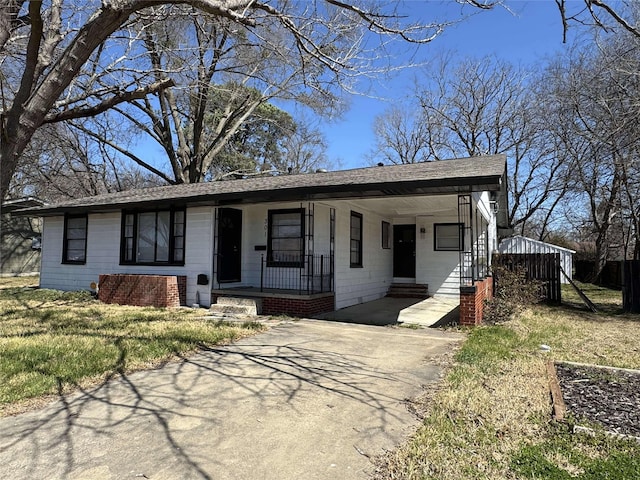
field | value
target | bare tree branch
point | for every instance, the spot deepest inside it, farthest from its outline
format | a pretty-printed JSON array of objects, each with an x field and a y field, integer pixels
[
  {"x": 109, "y": 103},
  {"x": 102, "y": 139}
]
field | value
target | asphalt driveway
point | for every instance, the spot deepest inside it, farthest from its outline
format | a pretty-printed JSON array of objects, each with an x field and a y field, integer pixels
[{"x": 307, "y": 399}]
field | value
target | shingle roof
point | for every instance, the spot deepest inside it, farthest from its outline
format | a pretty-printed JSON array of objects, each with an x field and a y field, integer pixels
[{"x": 440, "y": 177}]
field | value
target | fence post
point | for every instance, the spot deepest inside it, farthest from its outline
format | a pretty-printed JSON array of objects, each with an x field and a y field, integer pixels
[
  {"x": 321, "y": 273},
  {"x": 631, "y": 286}
]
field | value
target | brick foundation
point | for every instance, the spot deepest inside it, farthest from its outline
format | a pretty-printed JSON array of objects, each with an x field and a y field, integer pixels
[
  {"x": 143, "y": 290},
  {"x": 297, "y": 307},
  {"x": 472, "y": 301}
]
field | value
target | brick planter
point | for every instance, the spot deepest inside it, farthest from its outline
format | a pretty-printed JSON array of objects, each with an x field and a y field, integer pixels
[
  {"x": 143, "y": 290},
  {"x": 472, "y": 301}
]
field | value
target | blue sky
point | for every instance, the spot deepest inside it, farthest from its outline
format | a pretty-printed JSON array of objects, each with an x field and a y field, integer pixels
[{"x": 531, "y": 31}]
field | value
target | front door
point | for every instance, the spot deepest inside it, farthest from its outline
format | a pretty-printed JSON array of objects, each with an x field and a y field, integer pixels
[
  {"x": 404, "y": 251},
  {"x": 229, "y": 245}
]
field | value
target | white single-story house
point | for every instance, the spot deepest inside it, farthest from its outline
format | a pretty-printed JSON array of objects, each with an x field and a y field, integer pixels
[
  {"x": 302, "y": 243},
  {"x": 522, "y": 244}
]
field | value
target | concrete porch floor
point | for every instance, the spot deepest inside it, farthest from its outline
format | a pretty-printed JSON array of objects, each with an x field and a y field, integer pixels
[{"x": 431, "y": 312}]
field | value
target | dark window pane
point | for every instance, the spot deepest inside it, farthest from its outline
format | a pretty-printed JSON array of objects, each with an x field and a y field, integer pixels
[
  {"x": 356, "y": 240},
  {"x": 146, "y": 237},
  {"x": 447, "y": 237},
  {"x": 285, "y": 240},
  {"x": 75, "y": 239},
  {"x": 162, "y": 237}
]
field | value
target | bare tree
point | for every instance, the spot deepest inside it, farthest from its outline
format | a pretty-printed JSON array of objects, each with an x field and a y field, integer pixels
[
  {"x": 61, "y": 163},
  {"x": 402, "y": 135},
  {"x": 45, "y": 51},
  {"x": 487, "y": 107},
  {"x": 304, "y": 149},
  {"x": 45, "y": 48},
  {"x": 597, "y": 93}
]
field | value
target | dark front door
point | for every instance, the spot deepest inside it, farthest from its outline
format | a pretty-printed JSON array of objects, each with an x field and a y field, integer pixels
[
  {"x": 404, "y": 251},
  {"x": 229, "y": 245}
]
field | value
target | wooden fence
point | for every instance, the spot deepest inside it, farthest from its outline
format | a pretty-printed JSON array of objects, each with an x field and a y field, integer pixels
[
  {"x": 610, "y": 277},
  {"x": 543, "y": 267}
]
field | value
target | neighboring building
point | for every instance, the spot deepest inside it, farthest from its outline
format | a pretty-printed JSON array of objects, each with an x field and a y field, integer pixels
[
  {"x": 301, "y": 243},
  {"x": 20, "y": 238},
  {"x": 520, "y": 244}
]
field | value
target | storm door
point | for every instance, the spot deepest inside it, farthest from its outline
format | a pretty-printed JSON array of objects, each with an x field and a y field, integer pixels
[
  {"x": 404, "y": 251},
  {"x": 229, "y": 245}
]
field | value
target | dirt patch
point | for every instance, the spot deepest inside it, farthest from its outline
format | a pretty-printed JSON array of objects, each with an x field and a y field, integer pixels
[{"x": 603, "y": 396}]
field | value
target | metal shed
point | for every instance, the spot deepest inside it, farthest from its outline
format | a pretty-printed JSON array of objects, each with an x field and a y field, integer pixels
[{"x": 520, "y": 244}]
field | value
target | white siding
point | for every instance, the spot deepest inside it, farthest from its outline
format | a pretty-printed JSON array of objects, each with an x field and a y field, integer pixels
[
  {"x": 358, "y": 285},
  {"x": 440, "y": 270},
  {"x": 103, "y": 254}
]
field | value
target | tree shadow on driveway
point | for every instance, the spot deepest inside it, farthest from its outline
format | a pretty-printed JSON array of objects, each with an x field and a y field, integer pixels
[{"x": 303, "y": 400}]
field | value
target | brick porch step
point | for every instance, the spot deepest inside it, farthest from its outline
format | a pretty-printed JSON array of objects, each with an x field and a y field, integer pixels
[{"x": 408, "y": 290}]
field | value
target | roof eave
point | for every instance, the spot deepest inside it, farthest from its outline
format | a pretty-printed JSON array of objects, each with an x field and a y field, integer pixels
[{"x": 444, "y": 186}]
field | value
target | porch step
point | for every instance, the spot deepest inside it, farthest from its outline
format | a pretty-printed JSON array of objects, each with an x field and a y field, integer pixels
[
  {"x": 235, "y": 306},
  {"x": 408, "y": 290}
]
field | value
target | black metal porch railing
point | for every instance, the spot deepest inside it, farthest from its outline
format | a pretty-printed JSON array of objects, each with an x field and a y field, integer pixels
[{"x": 313, "y": 275}]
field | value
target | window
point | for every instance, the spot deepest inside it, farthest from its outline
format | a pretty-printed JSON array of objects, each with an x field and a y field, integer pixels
[
  {"x": 74, "y": 249},
  {"x": 448, "y": 237},
  {"x": 356, "y": 240},
  {"x": 154, "y": 237},
  {"x": 386, "y": 235},
  {"x": 36, "y": 243},
  {"x": 285, "y": 243}
]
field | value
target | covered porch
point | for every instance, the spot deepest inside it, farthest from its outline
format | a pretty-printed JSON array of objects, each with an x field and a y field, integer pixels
[{"x": 307, "y": 259}]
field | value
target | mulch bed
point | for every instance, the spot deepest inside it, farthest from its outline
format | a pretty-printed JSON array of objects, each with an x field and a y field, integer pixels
[{"x": 608, "y": 397}]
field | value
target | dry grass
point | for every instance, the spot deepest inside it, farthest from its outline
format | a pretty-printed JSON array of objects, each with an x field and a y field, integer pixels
[
  {"x": 17, "y": 282},
  {"x": 491, "y": 418},
  {"x": 612, "y": 340},
  {"x": 608, "y": 301}
]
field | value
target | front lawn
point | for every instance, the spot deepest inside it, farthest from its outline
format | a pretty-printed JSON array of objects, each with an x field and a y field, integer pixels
[
  {"x": 491, "y": 417},
  {"x": 52, "y": 342}
]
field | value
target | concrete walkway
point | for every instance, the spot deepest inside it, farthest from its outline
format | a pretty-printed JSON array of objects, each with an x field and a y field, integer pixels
[
  {"x": 307, "y": 399},
  {"x": 433, "y": 311}
]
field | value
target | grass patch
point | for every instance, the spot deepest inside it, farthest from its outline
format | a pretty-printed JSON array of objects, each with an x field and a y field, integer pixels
[
  {"x": 491, "y": 417},
  {"x": 565, "y": 456},
  {"x": 410, "y": 326},
  {"x": 608, "y": 301},
  {"x": 23, "y": 281},
  {"x": 53, "y": 342}
]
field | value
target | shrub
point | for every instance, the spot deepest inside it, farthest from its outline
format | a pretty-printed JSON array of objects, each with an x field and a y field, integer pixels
[{"x": 514, "y": 291}]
